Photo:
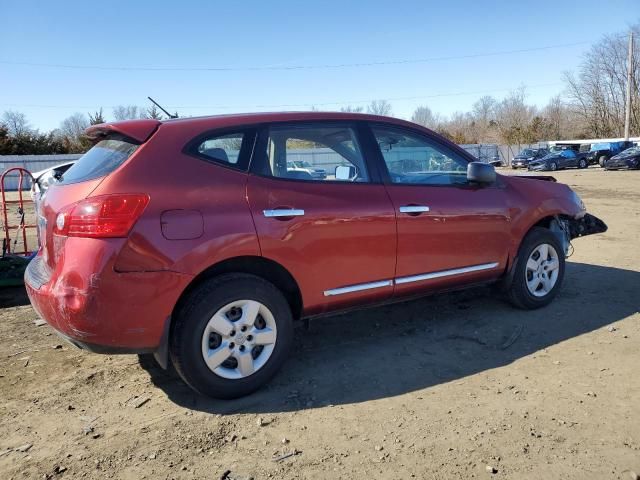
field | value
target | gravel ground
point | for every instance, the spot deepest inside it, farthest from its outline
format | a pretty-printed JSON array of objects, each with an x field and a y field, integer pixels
[{"x": 455, "y": 386}]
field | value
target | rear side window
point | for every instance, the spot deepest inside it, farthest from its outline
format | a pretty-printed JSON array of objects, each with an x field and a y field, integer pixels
[
  {"x": 223, "y": 149},
  {"x": 102, "y": 159}
]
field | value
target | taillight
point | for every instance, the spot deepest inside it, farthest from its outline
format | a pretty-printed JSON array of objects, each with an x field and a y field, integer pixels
[{"x": 102, "y": 216}]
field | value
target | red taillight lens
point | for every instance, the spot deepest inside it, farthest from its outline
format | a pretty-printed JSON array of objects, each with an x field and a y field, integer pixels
[{"x": 102, "y": 216}]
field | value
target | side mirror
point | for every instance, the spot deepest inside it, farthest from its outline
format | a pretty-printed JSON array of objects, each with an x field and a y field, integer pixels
[
  {"x": 344, "y": 172},
  {"x": 479, "y": 172}
]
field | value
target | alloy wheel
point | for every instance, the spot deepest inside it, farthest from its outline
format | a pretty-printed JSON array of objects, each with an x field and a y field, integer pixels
[
  {"x": 239, "y": 339},
  {"x": 542, "y": 270}
]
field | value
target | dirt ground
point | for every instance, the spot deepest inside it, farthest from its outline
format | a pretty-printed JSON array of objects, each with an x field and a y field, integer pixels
[{"x": 456, "y": 386}]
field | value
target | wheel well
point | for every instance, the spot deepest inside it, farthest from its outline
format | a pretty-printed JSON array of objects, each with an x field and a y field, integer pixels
[
  {"x": 543, "y": 222},
  {"x": 259, "y": 266}
]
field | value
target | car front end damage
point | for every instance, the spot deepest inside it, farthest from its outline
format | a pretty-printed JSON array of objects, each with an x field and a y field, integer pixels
[
  {"x": 569, "y": 228},
  {"x": 538, "y": 166}
]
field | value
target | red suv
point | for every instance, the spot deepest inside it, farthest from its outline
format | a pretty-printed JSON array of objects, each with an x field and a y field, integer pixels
[{"x": 201, "y": 241}]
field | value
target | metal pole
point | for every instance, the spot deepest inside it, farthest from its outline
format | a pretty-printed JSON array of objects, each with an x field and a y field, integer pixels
[{"x": 627, "y": 113}]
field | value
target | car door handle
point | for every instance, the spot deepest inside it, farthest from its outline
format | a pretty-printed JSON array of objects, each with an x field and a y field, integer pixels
[
  {"x": 283, "y": 213},
  {"x": 414, "y": 209}
]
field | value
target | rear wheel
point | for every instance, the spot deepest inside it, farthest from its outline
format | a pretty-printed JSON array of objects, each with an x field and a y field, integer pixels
[
  {"x": 231, "y": 335},
  {"x": 539, "y": 270},
  {"x": 602, "y": 160},
  {"x": 582, "y": 163}
]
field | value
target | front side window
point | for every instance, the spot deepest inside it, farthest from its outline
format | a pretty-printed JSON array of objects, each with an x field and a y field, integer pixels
[
  {"x": 315, "y": 153},
  {"x": 414, "y": 159}
]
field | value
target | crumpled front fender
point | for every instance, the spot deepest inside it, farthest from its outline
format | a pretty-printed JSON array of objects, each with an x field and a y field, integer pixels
[{"x": 586, "y": 225}]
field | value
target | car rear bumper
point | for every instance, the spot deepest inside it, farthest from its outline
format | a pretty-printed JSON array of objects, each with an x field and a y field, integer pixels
[{"x": 99, "y": 309}]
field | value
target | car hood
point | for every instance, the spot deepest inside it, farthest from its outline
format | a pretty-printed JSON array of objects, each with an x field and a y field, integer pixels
[{"x": 623, "y": 156}]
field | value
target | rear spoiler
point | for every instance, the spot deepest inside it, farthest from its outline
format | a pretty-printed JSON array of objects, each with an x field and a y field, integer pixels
[{"x": 137, "y": 130}]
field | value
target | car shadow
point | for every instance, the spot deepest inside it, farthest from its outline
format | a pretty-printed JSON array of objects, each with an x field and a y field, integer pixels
[
  {"x": 395, "y": 349},
  {"x": 13, "y": 296}
]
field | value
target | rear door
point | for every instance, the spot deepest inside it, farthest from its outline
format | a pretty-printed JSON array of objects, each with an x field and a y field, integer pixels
[
  {"x": 449, "y": 231},
  {"x": 568, "y": 158},
  {"x": 334, "y": 232}
]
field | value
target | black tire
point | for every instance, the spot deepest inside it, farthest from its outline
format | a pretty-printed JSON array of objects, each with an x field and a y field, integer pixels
[
  {"x": 195, "y": 311},
  {"x": 582, "y": 163},
  {"x": 602, "y": 160},
  {"x": 518, "y": 293},
  {"x": 553, "y": 166}
]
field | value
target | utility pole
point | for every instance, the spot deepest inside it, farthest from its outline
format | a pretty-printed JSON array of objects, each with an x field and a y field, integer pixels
[{"x": 627, "y": 113}]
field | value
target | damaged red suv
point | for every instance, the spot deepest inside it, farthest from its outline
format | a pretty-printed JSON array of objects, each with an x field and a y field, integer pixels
[{"x": 201, "y": 240}]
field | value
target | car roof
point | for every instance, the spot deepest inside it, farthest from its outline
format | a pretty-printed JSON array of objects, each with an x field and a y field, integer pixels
[{"x": 215, "y": 121}]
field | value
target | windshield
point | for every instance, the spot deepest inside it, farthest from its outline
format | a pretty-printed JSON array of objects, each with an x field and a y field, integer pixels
[
  {"x": 632, "y": 151},
  {"x": 600, "y": 146},
  {"x": 528, "y": 152},
  {"x": 102, "y": 159}
]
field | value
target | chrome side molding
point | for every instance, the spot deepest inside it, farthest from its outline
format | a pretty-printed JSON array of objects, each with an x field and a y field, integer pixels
[
  {"x": 445, "y": 273},
  {"x": 292, "y": 212},
  {"x": 409, "y": 279},
  {"x": 357, "y": 288}
]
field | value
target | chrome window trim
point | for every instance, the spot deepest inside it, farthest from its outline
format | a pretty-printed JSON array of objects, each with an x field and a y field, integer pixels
[
  {"x": 445, "y": 273},
  {"x": 358, "y": 288}
]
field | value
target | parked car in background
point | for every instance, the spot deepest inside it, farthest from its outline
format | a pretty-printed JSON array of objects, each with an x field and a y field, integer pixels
[
  {"x": 629, "y": 159},
  {"x": 601, "y": 152},
  {"x": 303, "y": 168},
  {"x": 152, "y": 243},
  {"x": 528, "y": 155},
  {"x": 559, "y": 159},
  {"x": 496, "y": 161},
  {"x": 48, "y": 176}
]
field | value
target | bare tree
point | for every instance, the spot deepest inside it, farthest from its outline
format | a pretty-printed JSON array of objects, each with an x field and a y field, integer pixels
[
  {"x": 425, "y": 117},
  {"x": 73, "y": 127},
  {"x": 379, "y": 107},
  {"x": 16, "y": 123},
  {"x": 128, "y": 112},
  {"x": 513, "y": 117},
  {"x": 352, "y": 109},
  {"x": 597, "y": 91}
]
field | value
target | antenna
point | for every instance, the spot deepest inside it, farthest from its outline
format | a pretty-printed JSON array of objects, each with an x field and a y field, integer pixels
[{"x": 175, "y": 115}]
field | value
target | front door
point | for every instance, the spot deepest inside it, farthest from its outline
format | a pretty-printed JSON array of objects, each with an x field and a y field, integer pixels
[
  {"x": 320, "y": 213},
  {"x": 449, "y": 231}
]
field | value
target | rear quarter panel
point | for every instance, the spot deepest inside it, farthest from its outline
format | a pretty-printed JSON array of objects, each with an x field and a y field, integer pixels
[{"x": 176, "y": 181}]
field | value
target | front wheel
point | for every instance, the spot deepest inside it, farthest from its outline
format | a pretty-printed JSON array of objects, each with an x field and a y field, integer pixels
[
  {"x": 231, "y": 335},
  {"x": 553, "y": 166},
  {"x": 582, "y": 163},
  {"x": 602, "y": 160},
  {"x": 539, "y": 270}
]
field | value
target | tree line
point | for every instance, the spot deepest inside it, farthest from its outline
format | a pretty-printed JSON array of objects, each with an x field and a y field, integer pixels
[{"x": 592, "y": 105}]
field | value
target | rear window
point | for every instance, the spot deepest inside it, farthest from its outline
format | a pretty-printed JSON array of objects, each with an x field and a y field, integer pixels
[{"x": 102, "y": 159}]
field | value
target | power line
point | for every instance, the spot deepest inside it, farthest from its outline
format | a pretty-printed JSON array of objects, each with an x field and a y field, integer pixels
[
  {"x": 288, "y": 67},
  {"x": 290, "y": 105}
]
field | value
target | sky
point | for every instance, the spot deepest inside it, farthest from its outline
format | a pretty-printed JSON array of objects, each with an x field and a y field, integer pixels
[{"x": 209, "y": 57}]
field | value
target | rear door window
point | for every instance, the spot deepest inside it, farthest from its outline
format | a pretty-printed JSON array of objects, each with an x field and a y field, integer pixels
[
  {"x": 102, "y": 159},
  {"x": 314, "y": 152}
]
